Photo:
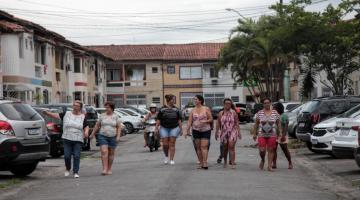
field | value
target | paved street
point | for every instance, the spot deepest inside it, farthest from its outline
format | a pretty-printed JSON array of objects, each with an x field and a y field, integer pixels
[{"x": 139, "y": 174}]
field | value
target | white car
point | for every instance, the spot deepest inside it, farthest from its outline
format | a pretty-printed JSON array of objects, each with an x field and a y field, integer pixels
[
  {"x": 131, "y": 112},
  {"x": 346, "y": 138},
  {"x": 131, "y": 123},
  {"x": 324, "y": 133}
]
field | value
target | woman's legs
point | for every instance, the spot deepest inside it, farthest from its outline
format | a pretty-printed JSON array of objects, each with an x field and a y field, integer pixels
[
  {"x": 232, "y": 152},
  {"x": 286, "y": 151},
  {"x": 166, "y": 147},
  {"x": 199, "y": 152},
  {"x": 105, "y": 158},
  {"x": 172, "y": 142},
  {"x": 204, "y": 143},
  {"x": 67, "y": 154},
  {"x": 274, "y": 165},
  {"x": 111, "y": 159},
  {"x": 145, "y": 139},
  {"x": 76, "y": 151},
  {"x": 225, "y": 153}
]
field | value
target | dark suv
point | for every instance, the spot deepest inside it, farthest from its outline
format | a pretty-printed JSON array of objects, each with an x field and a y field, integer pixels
[
  {"x": 91, "y": 115},
  {"x": 319, "y": 110}
]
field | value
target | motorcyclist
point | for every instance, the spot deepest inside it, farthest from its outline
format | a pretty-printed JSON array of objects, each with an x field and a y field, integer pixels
[{"x": 151, "y": 115}]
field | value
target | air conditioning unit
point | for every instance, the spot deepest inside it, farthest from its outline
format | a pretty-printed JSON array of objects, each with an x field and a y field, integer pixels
[
  {"x": 214, "y": 81},
  {"x": 68, "y": 67}
]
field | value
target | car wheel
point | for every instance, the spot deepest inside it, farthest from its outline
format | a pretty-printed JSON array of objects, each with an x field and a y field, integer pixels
[
  {"x": 309, "y": 146},
  {"x": 24, "y": 169},
  {"x": 129, "y": 127},
  {"x": 55, "y": 153}
]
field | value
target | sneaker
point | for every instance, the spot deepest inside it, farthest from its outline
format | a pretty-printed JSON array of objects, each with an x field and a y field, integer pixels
[
  {"x": 76, "y": 176},
  {"x": 166, "y": 160},
  {"x": 67, "y": 173},
  {"x": 172, "y": 162}
]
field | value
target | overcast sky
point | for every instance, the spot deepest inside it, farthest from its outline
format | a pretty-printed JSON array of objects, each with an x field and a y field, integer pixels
[{"x": 90, "y": 22}]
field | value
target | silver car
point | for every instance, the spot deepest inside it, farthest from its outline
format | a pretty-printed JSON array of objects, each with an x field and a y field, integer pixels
[
  {"x": 292, "y": 116},
  {"x": 21, "y": 122}
]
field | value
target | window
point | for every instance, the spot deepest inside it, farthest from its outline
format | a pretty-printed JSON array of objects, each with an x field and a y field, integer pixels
[
  {"x": 38, "y": 72},
  {"x": 19, "y": 112},
  {"x": 187, "y": 98},
  {"x": 235, "y": 98},
  {"x": 21, "y": 47},
  {"x": 26, "y": 44},
  {"x": 62, "y": 58},
  {"x": 154, "y": 70},
  {"x": 171, "y": 69},
  {"x": 214, "y": 99},
  {"x": 190, "y": 72},
  {"x": 77, "y": 96},
  {"x": 57, "y": 76},
  {"x": 156, "y": 100},
  {"x": 117, "y": 100},
  {"x": 337, "y": 107},
  {"x": 113, "y": 75},
  {"x": 214, "y": 73},
  {"x": 77, "y": 67},
  {"x": 31, "y": 45},
  {"x": 136, "y": 99}
]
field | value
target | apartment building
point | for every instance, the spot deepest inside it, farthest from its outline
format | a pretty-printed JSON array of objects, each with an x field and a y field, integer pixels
[{"x": 42, "y": 67}]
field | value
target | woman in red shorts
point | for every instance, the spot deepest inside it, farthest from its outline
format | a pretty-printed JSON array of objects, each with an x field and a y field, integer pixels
[{"x": 267, "y": 123}]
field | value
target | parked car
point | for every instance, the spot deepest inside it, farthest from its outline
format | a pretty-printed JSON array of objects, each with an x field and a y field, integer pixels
[
  {"x": 319, "y": 110},
  {"x": 324, "y": 132},
  {"x": 54, "y": 132},
  {"x": 27, "y": 139},
  {"x": 244, "y": 112},
  {"x": 346, "y": 139},
  {"x": 290, "y": 105},
  {"x": 131, "y": 112},
  {"x": 215, "y": 111},
  {"x": 187, "y": 110},
  {"x": 134, "y": 109},
  {"x": 131, "y": 123},
  {"x": 91, "y": 115},
  {"x": 100, "y": 111},
  {"x": 292, "y": 117}
]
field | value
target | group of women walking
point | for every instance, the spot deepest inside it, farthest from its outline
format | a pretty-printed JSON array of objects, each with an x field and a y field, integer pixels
[{"x": 270, "y": 130}]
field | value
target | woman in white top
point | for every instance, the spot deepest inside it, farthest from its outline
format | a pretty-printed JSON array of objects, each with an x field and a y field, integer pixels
[
  {"x": 110, "y": 125},
  {"x": 75, "y": 129}
]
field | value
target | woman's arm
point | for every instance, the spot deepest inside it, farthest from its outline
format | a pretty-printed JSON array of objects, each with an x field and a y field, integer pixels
[
  {"x": 96, "y": 129},
  {"x": 237, "y": 125},
  {"x": 209, "y": 116},
  {"x": 256, "y": 128},
  {"x": 52, "y": 115},
  {"x": 189, "y": 124},
  {"x": 118, "y": 131},
  {"x": 86, "y": 131},
  {"x": 218, "y": 124}
]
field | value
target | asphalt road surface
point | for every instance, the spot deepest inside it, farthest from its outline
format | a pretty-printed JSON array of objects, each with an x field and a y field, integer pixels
[{"x": 139, "y": 174}]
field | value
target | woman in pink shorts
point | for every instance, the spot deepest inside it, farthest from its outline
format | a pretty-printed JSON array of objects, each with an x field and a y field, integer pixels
[{"x": 266, "y": 126}]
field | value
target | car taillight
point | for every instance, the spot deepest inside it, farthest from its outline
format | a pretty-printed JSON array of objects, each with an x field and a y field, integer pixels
[
  {"x": 6, "y": 129},
  {"x": 14, "y": 148},
  {"x": 355, "y": 128},
  {"x": 52, "y": 127},
  {"x": 315, "y": 118}
]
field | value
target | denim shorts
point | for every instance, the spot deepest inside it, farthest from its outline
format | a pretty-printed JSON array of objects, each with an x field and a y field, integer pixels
[
  {"x": 107, "y": 141},
  {"x": 169, "y": 132}
]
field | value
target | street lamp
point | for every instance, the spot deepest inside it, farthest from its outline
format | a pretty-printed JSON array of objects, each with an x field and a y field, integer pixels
[{"x": 237, "y": 12}]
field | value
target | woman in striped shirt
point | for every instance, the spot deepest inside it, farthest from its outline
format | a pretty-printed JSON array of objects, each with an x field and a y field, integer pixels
[{"x": 267, "y": 126}]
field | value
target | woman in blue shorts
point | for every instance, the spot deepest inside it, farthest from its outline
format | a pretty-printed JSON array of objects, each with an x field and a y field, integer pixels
[
  {"x": 170, "y": 127},
  {"x": 109, "y": 124}
]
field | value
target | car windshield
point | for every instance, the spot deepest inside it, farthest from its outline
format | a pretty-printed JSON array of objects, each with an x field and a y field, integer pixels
[
  {"x": 353, "y": 112},
  {"x": 47, "y": 118},
  {"x": 311, "y": 106},
  {"x": 130, "y": 112},
  {"x": 100, "y": 111},
  {"x": 292, "y": 106},
  {"x": 19, "y": 112}
]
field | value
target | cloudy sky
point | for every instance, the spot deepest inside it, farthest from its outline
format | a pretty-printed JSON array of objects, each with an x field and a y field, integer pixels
[{"x": 91, "y": 22}]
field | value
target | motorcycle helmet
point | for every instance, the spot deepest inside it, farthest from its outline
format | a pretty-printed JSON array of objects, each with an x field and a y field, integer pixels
[{"x": 153, "y": 105}]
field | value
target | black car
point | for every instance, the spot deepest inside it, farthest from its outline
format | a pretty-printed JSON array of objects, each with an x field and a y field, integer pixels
[
  {"x": 319, "y": 110},
  {"x": 91, "y": 114},
  {"x": 215, "y": 111},
  {"x": 54, "y": 127}
]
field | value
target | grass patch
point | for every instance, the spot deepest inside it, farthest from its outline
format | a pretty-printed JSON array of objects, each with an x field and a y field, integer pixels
[
  {"x": 295, "y": 144},
  {"x": 9, "y": 183}
]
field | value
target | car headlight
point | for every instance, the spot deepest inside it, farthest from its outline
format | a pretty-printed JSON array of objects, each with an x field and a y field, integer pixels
[{"x": 332, "y": 129}]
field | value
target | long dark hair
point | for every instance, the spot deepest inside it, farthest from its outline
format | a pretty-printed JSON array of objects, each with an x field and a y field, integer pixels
[
  {"x": 232, "y": 103},
  {"x": 201, "y": 98}
]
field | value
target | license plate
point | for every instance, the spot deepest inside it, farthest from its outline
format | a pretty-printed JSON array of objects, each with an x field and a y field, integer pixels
[
  {"x": 344, "y": 132},
  {"x": 314, "y": 141},
  {"x": 34, "y": 131},
  {"x": 301, "y": 125}
]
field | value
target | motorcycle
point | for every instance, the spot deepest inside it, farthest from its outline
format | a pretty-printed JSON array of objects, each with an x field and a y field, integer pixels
[{"x": 153, "y": 141}]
